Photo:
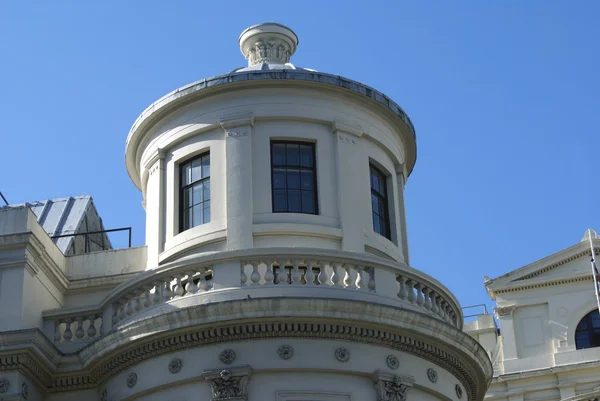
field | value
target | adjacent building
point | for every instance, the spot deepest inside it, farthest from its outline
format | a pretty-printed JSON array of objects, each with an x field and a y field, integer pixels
[
  {"x": 545, "y": 345},
  {"x": 276, "y": 264}
]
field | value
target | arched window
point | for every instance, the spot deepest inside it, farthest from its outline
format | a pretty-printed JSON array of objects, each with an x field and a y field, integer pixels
[{"x": 587, "y": 334}]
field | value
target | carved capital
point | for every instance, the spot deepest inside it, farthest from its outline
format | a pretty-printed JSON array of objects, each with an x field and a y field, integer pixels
[
  {"x": 391, "y": 387},
  {"x": 229, "y": 384},
  {"x": 339, "y": 127},
  {"x": 505, "y": 311},
  {"x": 236, "y": 126}
]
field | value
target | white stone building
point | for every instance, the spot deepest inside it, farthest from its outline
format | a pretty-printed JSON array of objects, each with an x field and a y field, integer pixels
[
  {"x": 547, "y": 344},
  {"x": 276, "y": 264}
]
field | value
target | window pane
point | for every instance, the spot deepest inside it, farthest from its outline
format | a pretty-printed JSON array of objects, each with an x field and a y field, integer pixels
[
  {"x": 308, "y": 202},
  {"x": 206, "y": 212},
  {"x": 278, "y": 154},
  {"x": 306, "y": 156},
  {"x": 294, "y": 201},
  {"x": 583, "y": 325},
  {"x": 197, "y": 215},
  {"x": 382, "y": 211},
  {"x": 187, "y": 219},
  {"x": 582, "y": 340},
  {"x": 292, "y": 155},
  {"x": 206, "y": 166},
  {"x": 187, "y": 198},
  {"x": 279, "y": 178},
  {"x": 196, "y": 170},
  {"x": 376, "y": 227},
  {"x": 382, "y": 227},
  {"x": 279, "y": 200},
  {"x": 206, "y": 193},
  {"x": 197, "y": 193},
  {"x": 374, "y": 180},
  {"x": 187, "y": 175},
  {"x": 374, "y": 203},
  {"x": 595, "y": 319},
  {"x": 293, "y": 179},
  {"x": 307, "y": 180}
]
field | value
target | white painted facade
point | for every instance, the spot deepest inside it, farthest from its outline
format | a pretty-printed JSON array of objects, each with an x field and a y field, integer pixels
[
  {"x": 207, "y": 312},
  {"x": 539, "y": 306}
]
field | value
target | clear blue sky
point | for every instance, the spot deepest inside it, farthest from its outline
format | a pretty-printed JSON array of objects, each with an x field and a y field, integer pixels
[{"x": 504, "y": 95}]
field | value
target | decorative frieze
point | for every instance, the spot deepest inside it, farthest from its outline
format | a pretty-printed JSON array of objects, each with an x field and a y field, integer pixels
[
  {"x": 391, "y": 387},
  {"x": 228, "y": 384}
]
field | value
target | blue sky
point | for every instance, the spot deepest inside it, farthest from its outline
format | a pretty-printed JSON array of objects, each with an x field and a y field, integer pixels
[{"x": 504, "y": 96}]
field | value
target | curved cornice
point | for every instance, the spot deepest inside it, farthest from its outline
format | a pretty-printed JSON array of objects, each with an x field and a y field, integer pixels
[
  {"x": 195, "y": 90},
  {"x": 243, "y": 320}
]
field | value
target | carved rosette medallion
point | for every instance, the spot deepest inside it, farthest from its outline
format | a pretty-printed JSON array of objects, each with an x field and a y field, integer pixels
[
  {"x": 4, "y": 383},
  {"x": 342, "y": 354},
  {"x": 391, "y": 387},
  {"x": 227, "y": 356},
  {"x": 175, "y": 365},
  {"x": 458, "y": 390},
  {"x": 432, "y": 375},
  {"x": 392, "y": 361},
  {"x": 228, "y": 384},
  {"x": 24, "y": 391},
  {"x": 131, "y": 379},
  {"x": 285, "y": 351}
]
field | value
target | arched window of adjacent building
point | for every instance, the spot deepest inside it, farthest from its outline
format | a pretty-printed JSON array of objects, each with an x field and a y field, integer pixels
[{"x": 587, "y": 334}]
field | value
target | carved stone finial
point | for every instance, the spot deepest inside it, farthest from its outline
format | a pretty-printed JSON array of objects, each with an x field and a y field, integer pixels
[
  {"x": 391, "y": 387},
  {"x": 228, "y": 384},
  {"x": 269, "y": 43}
]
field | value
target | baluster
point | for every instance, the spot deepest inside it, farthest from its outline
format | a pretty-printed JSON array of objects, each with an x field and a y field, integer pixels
[
  {"x": 309, "y": 276},
  {"x": 427, "y": 304},
  {"x": 157, "y": 296},
  {"x": 121, "y": 313},
  {"x": 57, "y": 335},
  {"x": 442, "y": 311},
  {"x": 203, "y": 284},
  {"x": 137, "y": 305},
  {"x": 79, "y": 333},
  {"x": 420, "y": 299},
  {"x": 451, "y": 316},
  {"x": 255, "y": 276},
  {"x": 168, "y": 291},
  {"x": 191, "y": 287},
  {"x": 243, "y": 277},
  {"x": 115, "y": 316},
  {"x": 322, "y": 277},
  {"x": 403, "y": 292},
  {"x": 336, "y": 279},
  {"x": 91, "y": 331},
  {"x": 129, "y": 305},
  {"x": 360, "y": 279},
  {"x": 350, "y": 279},
  {"x": 434, "y": 306},
  {"x": 68, "y": 334},
  {"x": 269, "y": 275},
  {"x": 296, "y": 276},
  {"x": 178, "y": 289},
  {"x": 282, "y": 273},
  {"x": 371, "y": 276},
  {"x": 411, "y": 293}
]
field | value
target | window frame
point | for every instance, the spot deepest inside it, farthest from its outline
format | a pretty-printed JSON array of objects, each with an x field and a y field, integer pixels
[
  {"x": 590, "y": 341},
  {"x": 183, "y": 187},
  {"x": 300, "y": 168},
  {"x": 382, "y": 197}
]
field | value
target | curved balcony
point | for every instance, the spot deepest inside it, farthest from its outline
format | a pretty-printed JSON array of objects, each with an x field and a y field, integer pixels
[{"x": 252, "y": 274}]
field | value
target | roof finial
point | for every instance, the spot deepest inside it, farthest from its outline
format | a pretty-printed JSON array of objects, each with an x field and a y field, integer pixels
[
  {"x": 589, "y": 233},
  {"x": 268, "y": 43}
]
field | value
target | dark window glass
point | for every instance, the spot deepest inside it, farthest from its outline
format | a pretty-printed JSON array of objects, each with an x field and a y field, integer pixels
[
  {"x": 587, "y": 333},
  {"x": 379, "y": 203},
  {"x": 195, "y": 192},
  {"x": 293, "y": 177}
]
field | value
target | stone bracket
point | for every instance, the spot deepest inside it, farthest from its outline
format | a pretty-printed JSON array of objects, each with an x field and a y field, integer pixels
[{"x": 236, "y": 126}]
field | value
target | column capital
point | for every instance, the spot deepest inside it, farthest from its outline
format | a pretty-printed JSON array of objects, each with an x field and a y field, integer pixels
[
  {"x": 229, "y": 384},
  {"x": 391, "y": 387},
  {"x": 239, "y": 120},
  {"x": 339, "y": 126},
  {"x": 505, "y": 311}
]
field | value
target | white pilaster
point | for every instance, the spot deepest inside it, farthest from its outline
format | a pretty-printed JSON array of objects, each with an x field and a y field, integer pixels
[
  {"x": 238, "y": 167},
  {"x": 350, "y": 170}
]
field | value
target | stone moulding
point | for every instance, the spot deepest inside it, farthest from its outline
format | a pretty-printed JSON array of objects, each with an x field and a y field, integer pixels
[{"x": 418, "y": 341}]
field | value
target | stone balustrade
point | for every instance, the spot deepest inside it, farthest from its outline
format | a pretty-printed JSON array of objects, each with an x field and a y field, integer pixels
[{"x": 255, "y": 273}]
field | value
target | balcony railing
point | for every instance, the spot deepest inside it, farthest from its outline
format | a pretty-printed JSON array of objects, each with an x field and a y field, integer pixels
[{"x": 292, "y": 272}]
